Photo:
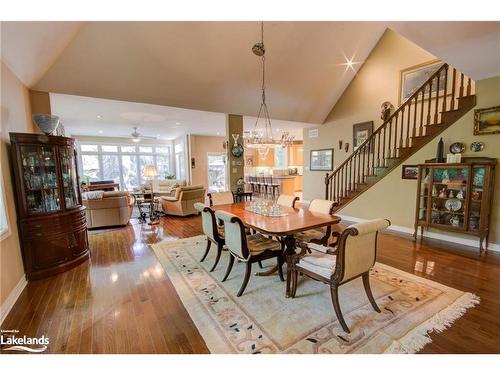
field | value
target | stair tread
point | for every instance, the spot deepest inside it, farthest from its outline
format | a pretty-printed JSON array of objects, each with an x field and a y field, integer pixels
[{"x": 417, "y": 141}]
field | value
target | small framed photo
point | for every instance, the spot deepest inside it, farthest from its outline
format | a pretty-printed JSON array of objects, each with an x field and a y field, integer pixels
[
  {"x": 487, "y": 121},
  {"x": 361, "y": 132},
  {"x": 409, "y": 172},
  {"x": 321, "y": 160}
]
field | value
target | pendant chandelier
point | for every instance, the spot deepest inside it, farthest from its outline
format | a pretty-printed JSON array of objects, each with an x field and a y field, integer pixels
[{"x": 263, "y": 140}]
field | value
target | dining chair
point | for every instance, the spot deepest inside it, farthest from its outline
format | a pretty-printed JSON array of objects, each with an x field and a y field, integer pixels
[
  {"x": 248, "y": 248},
  {"x": 225, "y": 197},
  {"x": 214, "y": 232},
  {"x": 354, "y": 257},
  {"x": 287, "y": 200},
  {"x": 320, "y": 235}
]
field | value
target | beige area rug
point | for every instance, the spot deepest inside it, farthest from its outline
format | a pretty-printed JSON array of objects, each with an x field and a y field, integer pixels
[{"x": 262, "y": 320}]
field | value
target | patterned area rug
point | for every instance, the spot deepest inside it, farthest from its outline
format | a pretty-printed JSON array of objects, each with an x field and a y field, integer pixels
[{"x": 262, "y": 320}]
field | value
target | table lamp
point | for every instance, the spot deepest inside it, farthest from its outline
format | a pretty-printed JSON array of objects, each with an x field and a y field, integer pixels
[{"x": 151, "y": 171}]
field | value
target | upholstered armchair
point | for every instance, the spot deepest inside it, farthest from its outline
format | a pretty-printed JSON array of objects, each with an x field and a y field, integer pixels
[
  {"x": 214, "y": 233},
  {"x": 107, "y": 209},
  {"x": 354, "y": 257},
  {"x": 287, "y": 200},
  {"x": 182, "y": 204},
  {"x": 248, "y": 249},
  {"x": 225, "y": 197},
  {"x": 320, "y": 235}
]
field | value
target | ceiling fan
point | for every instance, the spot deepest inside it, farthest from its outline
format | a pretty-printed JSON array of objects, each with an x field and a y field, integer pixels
[{"x": 136, "y": 137}]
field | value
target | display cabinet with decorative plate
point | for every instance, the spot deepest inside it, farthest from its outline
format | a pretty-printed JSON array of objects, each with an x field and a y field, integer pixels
[{"x": 456, "y": 197}]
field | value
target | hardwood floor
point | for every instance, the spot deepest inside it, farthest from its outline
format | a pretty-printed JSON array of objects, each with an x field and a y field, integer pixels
[{"x": 123, "y": 302}]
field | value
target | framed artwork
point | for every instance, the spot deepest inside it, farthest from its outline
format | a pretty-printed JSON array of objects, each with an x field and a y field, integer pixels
[
  {"x": 411, "y": 78},
  {"x": 409, "y": 172},
  {"x": 487, "y": 121},
  {"x": 321, "y": 160},
  {"x": 361, "y": 132}
]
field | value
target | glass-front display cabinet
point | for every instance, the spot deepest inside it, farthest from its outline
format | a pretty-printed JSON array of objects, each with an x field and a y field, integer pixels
[
  {"x": 53, "y": 229},
  {"x": 456, "y": 197}
]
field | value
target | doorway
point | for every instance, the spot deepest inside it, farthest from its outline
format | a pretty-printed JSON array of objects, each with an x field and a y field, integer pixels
[{"x": 217, "y": 177}]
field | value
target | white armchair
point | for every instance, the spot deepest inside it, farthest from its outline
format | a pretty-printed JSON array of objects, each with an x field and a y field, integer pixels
[{"x": 354, "y": 257}]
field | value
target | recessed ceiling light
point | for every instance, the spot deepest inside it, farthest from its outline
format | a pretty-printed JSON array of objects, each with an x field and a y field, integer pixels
[
  {"x": 99, "y": 116},
  {"x": 177, "y": 123},
  {"x": 100, "y": 131}
]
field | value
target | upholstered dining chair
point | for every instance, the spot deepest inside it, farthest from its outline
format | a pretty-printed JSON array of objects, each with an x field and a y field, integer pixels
[
  {"x": 214, "y": 232},
  {"x": 248, "y": 248},
  {"x": 287, "y": 200},
  {"x": 320, "y": 235},
  {"x": 354, "y": 257},
  {"x": 225, "y": 197}
]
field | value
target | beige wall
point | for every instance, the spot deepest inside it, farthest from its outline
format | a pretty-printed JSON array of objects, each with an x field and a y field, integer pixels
[
  {"x": 200, "y": 146},
  {"x": 376, "y": 82},
  {"x": 15, "y": 117},
  {"x": 399, "y": 205}
]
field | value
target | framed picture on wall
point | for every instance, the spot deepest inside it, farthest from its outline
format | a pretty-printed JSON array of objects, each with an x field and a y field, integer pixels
[
  {"x": 321, "y": 160},
  {"x": 487, "y": 121},
  {"x": 409, "y": 172},
  {"x": 361, "y": 132},
  {"x": 411, "y": 78}
]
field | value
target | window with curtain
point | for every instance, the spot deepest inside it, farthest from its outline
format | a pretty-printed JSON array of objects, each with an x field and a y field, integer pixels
[{"x": 123, "y": 163}]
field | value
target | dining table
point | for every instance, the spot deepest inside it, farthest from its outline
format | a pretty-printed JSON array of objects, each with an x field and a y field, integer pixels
[{"x": 285, "y": 226}]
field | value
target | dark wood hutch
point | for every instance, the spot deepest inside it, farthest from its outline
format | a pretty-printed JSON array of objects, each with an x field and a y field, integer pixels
[
  {"x": 51, "y": 217},
  {"x": 456, "y": 197}
]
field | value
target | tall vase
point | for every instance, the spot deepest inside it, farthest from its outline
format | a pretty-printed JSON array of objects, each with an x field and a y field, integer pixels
[{"x": 440, "y": 151}]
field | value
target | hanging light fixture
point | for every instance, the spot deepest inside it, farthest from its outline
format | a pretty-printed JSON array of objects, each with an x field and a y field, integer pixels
[{"x": 262, "y": 140}]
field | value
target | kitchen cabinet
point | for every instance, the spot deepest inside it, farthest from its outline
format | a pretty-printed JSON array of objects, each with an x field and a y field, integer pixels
[{"x": 267, "y": 162}]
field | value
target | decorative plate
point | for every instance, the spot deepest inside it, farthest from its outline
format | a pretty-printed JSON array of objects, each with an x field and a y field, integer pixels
[
  {"x": 477, "y": 146},
  {"x": 453, "y": 205},
  {"x": 237, "y": 151},
  {"x": 457, "y": 148}
]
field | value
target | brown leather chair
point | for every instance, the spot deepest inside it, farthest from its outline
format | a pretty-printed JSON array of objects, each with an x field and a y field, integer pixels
[
  {"x": 108, "y": 208},
  {"x": 182, "y": 204}
]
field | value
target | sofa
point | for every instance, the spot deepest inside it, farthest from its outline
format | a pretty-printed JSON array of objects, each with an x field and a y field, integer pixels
[
  {"x": 107, "y": 208},
  {"x": 163, "y": 187},
  {"x": 182, "y": 203}
]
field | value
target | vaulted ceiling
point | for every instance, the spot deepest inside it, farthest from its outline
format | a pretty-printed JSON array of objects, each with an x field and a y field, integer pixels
[{"x": 209, "y": 65}]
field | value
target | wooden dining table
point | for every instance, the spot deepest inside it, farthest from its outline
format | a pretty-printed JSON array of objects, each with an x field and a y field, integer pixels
[{"x": 296, "y": 220}]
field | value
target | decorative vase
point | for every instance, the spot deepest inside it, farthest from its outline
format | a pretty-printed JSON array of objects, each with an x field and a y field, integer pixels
[
  {"x": 440, "y": 151},
  {"x": 46, "y": 123}
]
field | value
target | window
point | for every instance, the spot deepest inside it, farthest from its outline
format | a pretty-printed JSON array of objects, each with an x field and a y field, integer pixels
[
  {"x": 129, "y": 171},
  {"x": 180, "y": 161},
  {"x": 109, "y": 148},
  {"x": 123, "y": 163},
  {"x": 91, "y": 167},
  {"x": 4, "y": 223},
  {"x": 217, "y": 172},
  {"x": 111, "y": 167},
  {"x": 89, "y": 148}
]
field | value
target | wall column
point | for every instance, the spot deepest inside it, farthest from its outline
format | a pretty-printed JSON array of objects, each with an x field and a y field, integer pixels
[{"x": 235, "y": 166}]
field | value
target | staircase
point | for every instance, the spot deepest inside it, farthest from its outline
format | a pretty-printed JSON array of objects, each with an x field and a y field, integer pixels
[{"x": 418, "y": 121}]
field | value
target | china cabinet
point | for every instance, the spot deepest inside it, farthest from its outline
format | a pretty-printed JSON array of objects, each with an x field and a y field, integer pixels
[
  {"x": 51, "y": 218},
  {"x": 456, "y": 197}
]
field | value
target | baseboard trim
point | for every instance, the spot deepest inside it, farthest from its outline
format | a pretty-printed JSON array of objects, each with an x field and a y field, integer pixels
[
  {"x": 12, "y": 298},
  {"x": 427, "y": 234}
]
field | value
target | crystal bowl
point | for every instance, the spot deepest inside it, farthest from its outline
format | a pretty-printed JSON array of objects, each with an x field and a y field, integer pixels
[{"x": 46, "y": 123}]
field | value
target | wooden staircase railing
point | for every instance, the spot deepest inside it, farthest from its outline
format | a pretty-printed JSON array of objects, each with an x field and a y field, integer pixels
[{"x": 428, "y": 111}]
